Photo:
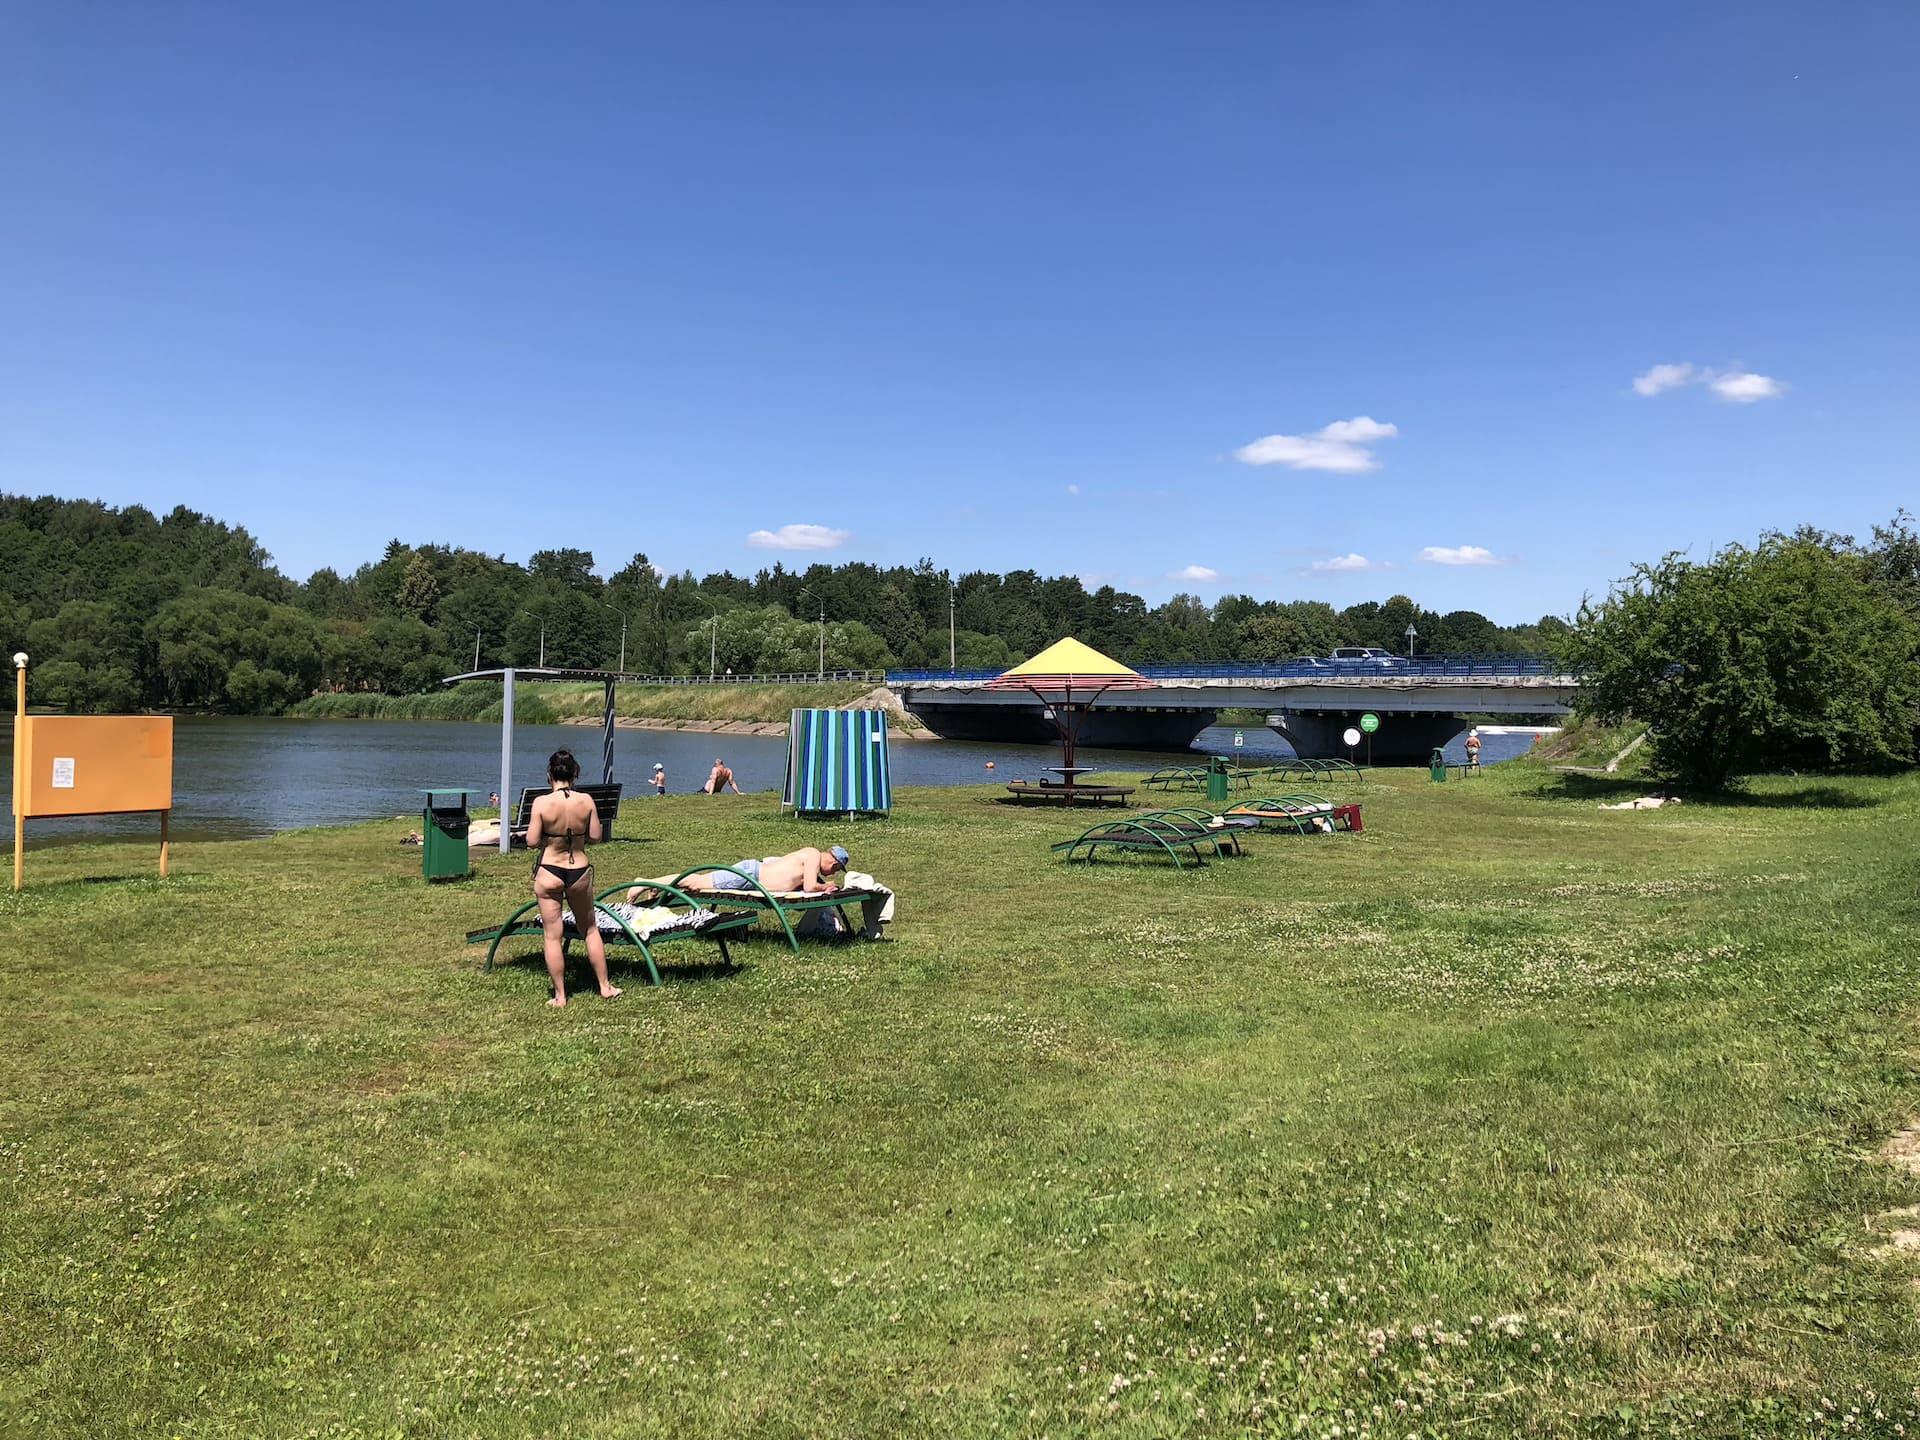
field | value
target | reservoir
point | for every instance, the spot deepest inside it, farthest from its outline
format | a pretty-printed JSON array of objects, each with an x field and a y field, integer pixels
[{"x": 236, "y": 777}]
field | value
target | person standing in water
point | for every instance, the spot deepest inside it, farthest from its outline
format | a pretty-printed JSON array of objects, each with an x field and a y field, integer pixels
[
  {"x": 561, "y": 826},
  {"x": 721, "y": 778},
  {"x": 659, "y": 778}
]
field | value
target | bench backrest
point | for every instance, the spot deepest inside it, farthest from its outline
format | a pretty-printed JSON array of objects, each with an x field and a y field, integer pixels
[{"x": 606, "y": 801}]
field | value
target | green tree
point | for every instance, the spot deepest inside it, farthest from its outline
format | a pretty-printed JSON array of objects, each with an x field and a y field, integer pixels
[
  {"x": 419, "y": 594},
  {"x": 1784, "y": 655}
]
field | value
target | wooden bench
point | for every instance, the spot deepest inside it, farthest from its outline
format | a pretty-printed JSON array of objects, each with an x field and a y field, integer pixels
[
  {"x": 606, "y": 803},
  {"x": 1050, "y": 794}
]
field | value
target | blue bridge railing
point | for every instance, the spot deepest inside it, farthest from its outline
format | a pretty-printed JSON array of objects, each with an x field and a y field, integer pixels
[{"x": 1422, "y": 667}]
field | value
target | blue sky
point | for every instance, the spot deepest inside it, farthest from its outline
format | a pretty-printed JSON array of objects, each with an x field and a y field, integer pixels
[{"x": 1006, "y": 285}]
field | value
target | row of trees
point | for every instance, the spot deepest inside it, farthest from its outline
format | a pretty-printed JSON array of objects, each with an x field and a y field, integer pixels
[{"x": 122, "y": 608}]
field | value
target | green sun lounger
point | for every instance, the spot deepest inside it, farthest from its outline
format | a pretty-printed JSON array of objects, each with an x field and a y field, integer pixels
[
  {"x": 1300, "y": 811},
  {"x": 1165, "y": 834},
  {"x": 757, "y": 900},
  {"x": 618, "y": 927}
]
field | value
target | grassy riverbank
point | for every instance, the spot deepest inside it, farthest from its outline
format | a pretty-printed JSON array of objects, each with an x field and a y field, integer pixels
[
  {"x": 552, "y": 704},
  {"x": 1525, "y": 1117}
]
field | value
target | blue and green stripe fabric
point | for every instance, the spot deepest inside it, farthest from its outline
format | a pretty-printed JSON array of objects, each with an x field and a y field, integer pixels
[{"x": 837, "y": 762}]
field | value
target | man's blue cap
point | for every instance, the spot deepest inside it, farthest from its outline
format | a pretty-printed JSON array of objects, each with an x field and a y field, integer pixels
[{"x": 839, "y": 852}]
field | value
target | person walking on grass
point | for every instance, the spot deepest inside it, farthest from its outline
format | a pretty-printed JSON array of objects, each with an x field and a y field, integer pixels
[
  {"x": 1473, "y": 748},
  {"x": 721, "y": 778},
  {"x": 559, "y": 830}
]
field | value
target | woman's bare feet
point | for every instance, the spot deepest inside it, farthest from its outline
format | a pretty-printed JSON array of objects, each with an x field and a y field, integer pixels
[
  {"x": 559, "y": 1002},
  {"x": 607, "y": 992}
]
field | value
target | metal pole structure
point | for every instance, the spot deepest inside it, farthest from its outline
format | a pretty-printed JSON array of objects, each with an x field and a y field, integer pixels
[
  {"x": 606, "y": 738},
  {"x": 953, "y": 651},
  {"x": 543, "y": 635},
  {"x": 506, "y": 760},
  {"x": 476, "y": 648},
  {"x": 19, "y": 770},
  {"x": 622, "y": 667}
]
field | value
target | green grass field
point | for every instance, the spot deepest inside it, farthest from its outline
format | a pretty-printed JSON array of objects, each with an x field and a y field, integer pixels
[{"x": 1509, "y": 1116}]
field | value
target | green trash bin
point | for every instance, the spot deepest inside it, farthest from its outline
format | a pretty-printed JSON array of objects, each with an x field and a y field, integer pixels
[
  {"x": 1216, "y": 781},
  {"x": 1437, "y": 767},
  {"x": 444, "y": 823}
]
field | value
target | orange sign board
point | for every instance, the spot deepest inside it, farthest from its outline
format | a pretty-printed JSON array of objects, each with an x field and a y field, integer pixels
[{"x": 93, "y": 764}]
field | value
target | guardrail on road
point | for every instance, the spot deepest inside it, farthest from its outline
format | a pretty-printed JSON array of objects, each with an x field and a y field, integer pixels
[{"x": 1422, "y": 667}]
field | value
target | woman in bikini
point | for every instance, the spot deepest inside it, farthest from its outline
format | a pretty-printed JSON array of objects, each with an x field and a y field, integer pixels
[{"x": 558, "y": 831}]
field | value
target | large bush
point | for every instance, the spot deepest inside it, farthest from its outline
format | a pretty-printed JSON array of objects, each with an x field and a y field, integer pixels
[{"x": 1791, "y": 654}]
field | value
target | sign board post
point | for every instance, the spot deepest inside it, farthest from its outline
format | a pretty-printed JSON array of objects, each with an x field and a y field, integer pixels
[
  {"x": 87, "y": 765},
  {"x": 19, "y": 775},
  {"x": 1369, "y": 723},
  {"x": 1352, "y": 737}
]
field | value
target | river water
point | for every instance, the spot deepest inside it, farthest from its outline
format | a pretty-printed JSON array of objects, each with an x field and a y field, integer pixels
[{"x": 234, "y": 777}]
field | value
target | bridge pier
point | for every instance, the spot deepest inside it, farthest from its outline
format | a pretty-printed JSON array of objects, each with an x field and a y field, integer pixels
[{"x": 1404, "y": 737}]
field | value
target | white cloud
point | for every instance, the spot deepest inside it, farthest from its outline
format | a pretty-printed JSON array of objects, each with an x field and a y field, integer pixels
[
  {"x": 1340, "y": 447},
  {"x": 1743, "y": 387},
  {"x": 1073, "y": 489},
  {"x": 1349, "y": 561},
  {"x": 1195, "y": 572},
  {"x": 1361, "y": 430},
  {"x": 1665, "y": 377},
  {"x": 799, "y": 537},
  {"x": 1458, "y": 555}
]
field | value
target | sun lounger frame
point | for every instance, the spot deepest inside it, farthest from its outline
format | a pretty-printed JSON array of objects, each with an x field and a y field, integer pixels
[
  {"x": 715, "y": 929},
  {"x": 1151, "y": 831},
  {"x": 759, "y": 900},
  {"x": 1297, "y": 810}
]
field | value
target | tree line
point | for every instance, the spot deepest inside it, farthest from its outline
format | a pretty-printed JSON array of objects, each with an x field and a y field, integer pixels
[{"x": 121, "y": 609}]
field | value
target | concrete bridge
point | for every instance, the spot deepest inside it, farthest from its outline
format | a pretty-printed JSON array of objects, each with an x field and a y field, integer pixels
[{"x": 1419, "y": 702}]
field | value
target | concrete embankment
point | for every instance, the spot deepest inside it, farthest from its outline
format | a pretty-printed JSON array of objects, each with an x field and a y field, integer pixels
[
  {"x": 904, "y": 726},
  {"x": 721, "y": 727}
]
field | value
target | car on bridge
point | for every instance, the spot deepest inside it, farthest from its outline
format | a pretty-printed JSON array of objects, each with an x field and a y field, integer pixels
[{"x": 1362, "y": 655}]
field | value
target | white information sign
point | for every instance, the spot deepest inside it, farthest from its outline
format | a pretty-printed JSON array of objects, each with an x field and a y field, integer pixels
[
  {"x": 1239, "y": 738},
  {"x": 1351, "y": 736},
  {"x": 63, "y": 772}
]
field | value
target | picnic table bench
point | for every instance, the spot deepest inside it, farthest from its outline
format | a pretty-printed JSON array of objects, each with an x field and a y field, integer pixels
[{"x": 1050, "y": 793}]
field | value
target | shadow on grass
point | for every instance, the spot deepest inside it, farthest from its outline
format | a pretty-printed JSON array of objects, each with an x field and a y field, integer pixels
[
  {"x": 1611, "y": 789},
  {"x": 625, "y": 967}
]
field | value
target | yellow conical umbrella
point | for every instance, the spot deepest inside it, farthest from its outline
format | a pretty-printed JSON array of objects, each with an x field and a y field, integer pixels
[
  {"x": 1055, "y": 674},
  {"x": 1066, "y": 664}
]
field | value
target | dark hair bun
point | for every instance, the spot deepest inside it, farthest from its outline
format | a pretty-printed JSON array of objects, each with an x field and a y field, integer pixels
[{"x": 562, "y": 766}]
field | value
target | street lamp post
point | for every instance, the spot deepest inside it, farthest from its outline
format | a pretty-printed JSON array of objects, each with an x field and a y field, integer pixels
[
  {"x": 476, "y": 647},
  {"x": 622, "y": 667},
  {"x": 953, "y": 662},
  {"x": 713, "y": 637},
  {"x": 1412, "y": 635},
  {"x": 543, "y": 635},
  {"x": 804, "y": 590}
]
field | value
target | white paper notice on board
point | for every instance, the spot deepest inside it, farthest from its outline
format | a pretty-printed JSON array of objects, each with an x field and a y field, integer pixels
[{"x": 63, "y": 772}]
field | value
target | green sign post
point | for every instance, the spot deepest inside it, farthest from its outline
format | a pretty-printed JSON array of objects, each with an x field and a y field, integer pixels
[{"x": 1369, "y": 723}]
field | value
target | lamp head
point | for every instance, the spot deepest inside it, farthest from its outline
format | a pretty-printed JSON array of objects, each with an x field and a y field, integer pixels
[{"x": 19, "y": 659}]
